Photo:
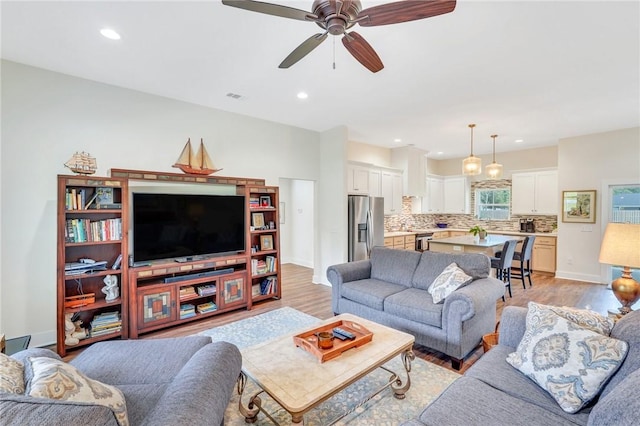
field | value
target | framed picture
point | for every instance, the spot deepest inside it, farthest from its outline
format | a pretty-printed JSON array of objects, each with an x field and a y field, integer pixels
[
  {"x": 266, "y": 242},
  {"x": 579, "y": 206},
  {"x": 265, "y": 201},
  {"x": 257, "y": 220}
]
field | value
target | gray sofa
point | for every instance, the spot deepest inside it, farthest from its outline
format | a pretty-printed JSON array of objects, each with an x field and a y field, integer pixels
[
  {"x": 186, "y": 380},
  {"x": 391, "y": 288},
  {"x": 492, "y": 392}
]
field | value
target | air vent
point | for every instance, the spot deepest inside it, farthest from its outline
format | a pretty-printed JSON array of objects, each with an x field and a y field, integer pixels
[{"x": 234, "y": 95}]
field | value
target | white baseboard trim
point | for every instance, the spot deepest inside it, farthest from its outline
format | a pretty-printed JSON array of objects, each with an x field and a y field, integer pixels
[
  {"x": 320, "y": 280},
  {"x": 579, "y": 277},
  {"x": 45, "y": 338},
  {"x": 301, "y": 262}
]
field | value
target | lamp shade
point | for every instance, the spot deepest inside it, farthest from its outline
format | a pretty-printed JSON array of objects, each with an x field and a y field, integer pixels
[
  {"x": 621, "y": 245},
  {"x": 472, "y": 166}
]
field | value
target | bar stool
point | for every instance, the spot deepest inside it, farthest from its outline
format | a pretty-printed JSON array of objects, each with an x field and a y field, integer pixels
[
  {"x": 502, "y": 264},
  {"x": 524, "y": 257}
]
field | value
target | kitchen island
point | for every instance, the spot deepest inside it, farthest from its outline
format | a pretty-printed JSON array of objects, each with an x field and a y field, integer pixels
[{"x": 471, "y": 244}]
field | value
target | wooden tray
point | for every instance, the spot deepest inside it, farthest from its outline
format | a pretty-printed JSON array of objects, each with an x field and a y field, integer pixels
[
  {"x": 71, "y": 302},
  {"x": 309, "y": 342}
]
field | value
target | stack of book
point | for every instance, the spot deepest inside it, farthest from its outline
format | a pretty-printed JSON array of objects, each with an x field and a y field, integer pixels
[
  {"x": 187, "y": 311},
  {"x": 187, "y": 291},
  {"x": 207, "y": 290},
  {"x": 84, "y": 230},
  {"x": 259, "y": 266},
  {"x": 106, "y": 323},
  {"x": 254, "y": 202},
  {"x": 203, "y": 308}
]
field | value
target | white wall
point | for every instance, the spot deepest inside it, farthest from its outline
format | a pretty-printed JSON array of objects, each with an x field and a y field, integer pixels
[
  {"x": 586, "y": 163},
  {"x": 371, "y": 154},
  {"x": 297, "y": 233},
  {"x": 47, "y": 116}
]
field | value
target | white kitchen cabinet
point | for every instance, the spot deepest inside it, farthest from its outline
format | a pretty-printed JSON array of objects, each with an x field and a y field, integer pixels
[
  {"x": 457, "y": 195},
  {"x": 357, "y": 179},
  {"x": 534, "y": 193},
  {"x": 433, "y": 201},
  {"x": 375, "y": 180},
  {"x": 391, "y": 186}
]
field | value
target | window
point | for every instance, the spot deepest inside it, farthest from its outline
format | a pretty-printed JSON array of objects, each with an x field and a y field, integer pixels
[{"x": 493, "y": 204}]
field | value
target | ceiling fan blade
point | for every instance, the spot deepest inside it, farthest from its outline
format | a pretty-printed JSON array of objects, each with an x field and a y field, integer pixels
[
  {"x": 403, "y": 11},
  {"x": 303, "y": 50},
  {"x": 362, "y": 51},
  {"x": 271, "y": 9}
]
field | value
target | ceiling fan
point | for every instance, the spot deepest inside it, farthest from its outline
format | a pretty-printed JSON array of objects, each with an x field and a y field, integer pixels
[{"x": 337, "y": 16}]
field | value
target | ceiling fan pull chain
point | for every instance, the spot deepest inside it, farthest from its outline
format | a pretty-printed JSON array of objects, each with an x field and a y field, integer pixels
[{"x": 334, "y": 53}]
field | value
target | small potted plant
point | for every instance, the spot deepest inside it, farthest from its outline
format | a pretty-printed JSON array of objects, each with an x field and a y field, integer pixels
[{"x": 479, "y": 231}]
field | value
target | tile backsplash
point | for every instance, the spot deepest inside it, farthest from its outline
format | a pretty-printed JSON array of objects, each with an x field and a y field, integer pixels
[{"x": 406, "y": 220}]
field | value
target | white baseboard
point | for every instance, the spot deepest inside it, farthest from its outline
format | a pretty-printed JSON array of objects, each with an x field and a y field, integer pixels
[
  {"x": 301, "y": 262},
  {"x": 579, "y": 277},
  {"x": 320, "y": 280},
  {"x": 45, "y": 338}
]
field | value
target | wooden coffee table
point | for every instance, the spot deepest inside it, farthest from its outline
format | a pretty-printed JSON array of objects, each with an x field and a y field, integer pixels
[{"x": 298, "y": 381}]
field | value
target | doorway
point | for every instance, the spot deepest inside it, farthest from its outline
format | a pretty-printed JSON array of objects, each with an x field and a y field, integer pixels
[{"x": 297, "y": 230}]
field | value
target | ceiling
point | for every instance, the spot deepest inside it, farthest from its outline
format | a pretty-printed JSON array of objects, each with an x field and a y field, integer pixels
[{"x": 536, "y": 71}]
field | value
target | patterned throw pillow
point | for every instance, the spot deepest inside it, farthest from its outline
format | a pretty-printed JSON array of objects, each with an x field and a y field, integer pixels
[
  {"x": 570, "y": 362},
  {"x": 11, "y": 375},
  {"x": 447, "y": 282},
  {"x": 587, "y": 319},
  {"x": 58, "y": 380}
]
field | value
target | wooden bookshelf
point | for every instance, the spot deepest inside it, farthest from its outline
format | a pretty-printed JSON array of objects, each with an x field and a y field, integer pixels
[
  {"x": 86, "y": 231},
  {"x": 263, "y": 242}
]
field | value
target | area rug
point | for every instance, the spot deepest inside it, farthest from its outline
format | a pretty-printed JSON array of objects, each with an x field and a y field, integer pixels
[{"x": 427, "y": 380}]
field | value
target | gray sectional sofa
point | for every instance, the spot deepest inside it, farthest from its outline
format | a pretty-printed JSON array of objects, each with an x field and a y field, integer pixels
[
  {"x": 186, "y": 380},
  {"x": 492, "y": 392},
  {"x": 391, "y": 288}
]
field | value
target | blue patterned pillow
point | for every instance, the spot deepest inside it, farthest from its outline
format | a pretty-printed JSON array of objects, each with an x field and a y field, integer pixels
[
  {"x": 447, "y": 282},
  {"x": 570, "y": 362}
]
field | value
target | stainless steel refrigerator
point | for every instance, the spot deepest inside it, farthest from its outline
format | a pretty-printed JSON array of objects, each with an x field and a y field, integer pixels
[{"x": 366, "y": 225}]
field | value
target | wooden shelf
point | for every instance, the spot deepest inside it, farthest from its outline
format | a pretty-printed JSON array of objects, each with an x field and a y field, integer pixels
[
  {"x": 86, "y": 188},
  {"x": 97, "y": 305}
]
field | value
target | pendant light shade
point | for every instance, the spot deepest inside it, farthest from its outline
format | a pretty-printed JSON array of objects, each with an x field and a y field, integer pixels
[
  {"x": 494, "y": 170},
  {"x": 472, "y": 165}
]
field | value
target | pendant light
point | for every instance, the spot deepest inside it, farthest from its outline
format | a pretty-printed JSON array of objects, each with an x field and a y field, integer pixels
[
  {"x": 472, "y": 165},
  {"x": 494, "y": 170}
]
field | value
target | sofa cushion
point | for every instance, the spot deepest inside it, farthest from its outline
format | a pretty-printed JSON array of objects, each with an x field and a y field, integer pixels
[
  {"x": 626, "y": 329},
  {"x": 433, "y": 263},
  {"x": 570, "y": 362},
  {"x": 394, "y": 266},
  {"x": 584, "y": 317},
  {"x": 11, "y": 375},
  {"x": 370, "y": 292},
  {"x": 621, "y": 406},
  {"x": 494, "y": 370},
  {"x": 447, "y": 282},
  {"x": 468, "y": 401},
  {"x": 56, "y": 379},
  {"x": 415, "y": 305}
]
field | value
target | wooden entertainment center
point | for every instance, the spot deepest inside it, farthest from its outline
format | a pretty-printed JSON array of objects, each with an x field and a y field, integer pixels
[{"x": 162, "y": 293}]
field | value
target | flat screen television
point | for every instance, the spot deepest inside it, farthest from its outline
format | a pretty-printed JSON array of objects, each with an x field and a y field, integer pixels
[{"x": 167, "y": 226}]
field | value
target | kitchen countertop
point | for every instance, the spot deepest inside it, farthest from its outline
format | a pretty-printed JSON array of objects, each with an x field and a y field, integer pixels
[{"x": 489, "y": 231}]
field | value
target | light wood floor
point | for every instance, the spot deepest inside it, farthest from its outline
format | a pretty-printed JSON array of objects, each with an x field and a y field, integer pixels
[{"x": 315, "y": 299}]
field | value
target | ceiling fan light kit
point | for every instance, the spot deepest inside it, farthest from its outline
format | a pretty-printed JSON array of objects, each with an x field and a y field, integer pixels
[
  {"x": 471, "y": 165},
  {"x": 337, "y": 16}
]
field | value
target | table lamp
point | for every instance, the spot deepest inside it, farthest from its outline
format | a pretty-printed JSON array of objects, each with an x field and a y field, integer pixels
[{"x": 621, "y": 247}]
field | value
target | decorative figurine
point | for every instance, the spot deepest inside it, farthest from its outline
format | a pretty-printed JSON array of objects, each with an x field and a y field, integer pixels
[{"x": 111, "y": 289}]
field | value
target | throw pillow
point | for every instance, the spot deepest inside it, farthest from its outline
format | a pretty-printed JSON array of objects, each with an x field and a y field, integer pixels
[
  {"x": 56, "y": 379},
  {"x": 11, "y": 375},
  {"x": 586, "y": 318},
  {"x": 447, "y": 282},
  {"x": 570, "y": 362}
]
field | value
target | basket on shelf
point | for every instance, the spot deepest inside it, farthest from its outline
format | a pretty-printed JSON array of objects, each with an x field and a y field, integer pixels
[{"x": 490, "y": 340}]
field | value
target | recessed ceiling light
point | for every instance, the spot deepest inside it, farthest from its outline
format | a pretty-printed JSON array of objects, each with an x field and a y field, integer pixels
[
  {"x": 397, "y": 140},
  {"x": 439, "y": 152},
  {"x": 302, "y": 95},
  {"x": 519, "y": 140},
  {"x": 110, "y": 34}
]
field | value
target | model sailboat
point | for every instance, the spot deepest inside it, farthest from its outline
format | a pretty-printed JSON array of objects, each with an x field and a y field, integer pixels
[
  {"x": 199, "y": 164},
  {"x": 82, "y": 163}
]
